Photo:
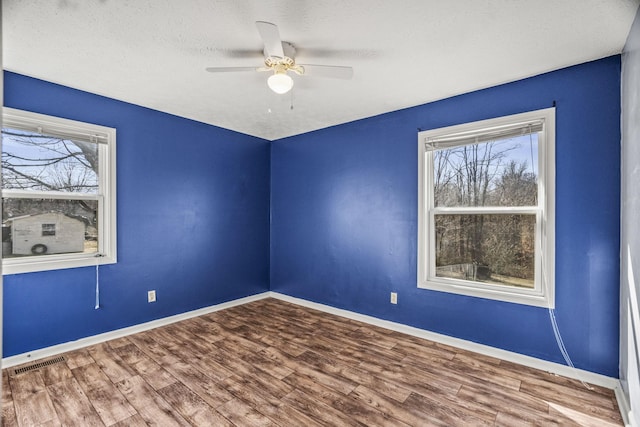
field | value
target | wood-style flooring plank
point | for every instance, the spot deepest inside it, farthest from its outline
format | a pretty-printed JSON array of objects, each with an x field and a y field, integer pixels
[
  {"x": 287, "y": 415},
  {"x": 483, "y": 371},
  {"x": 77, "y": 358},
  {"x": 192, "y": 408},
  {"x": 561, "y": 412},
  {"x": 205, "y": 362},
  {"x": 522, "y": 406},
  {"x": 384, "y": 404},
  {"x": 354, "y": 352},
  {"x": 56, "y": 373},
  {"x": 355, "y": 375},
  {"x": 72, "y": 405},
  {"x": 149, "y": 404},
  {"x": 272, "y": 406},
  {"x": 31, "y": 400},
  {"x": 422, "y": 350},
  {"x": 242, "y": 414},
  {"x": 154, "y": 349},
  {"x": 119, "y": 342},
  {"x": 110, "y": 363},
  {"x": 525, "y": 372},
  {"x": 452, "y": 370},
  {"x": 464, "y": 406},
  {"x": 267, "y": 365},
  {"x": 365, "y": 414},
  {"x": 147, "y": 368},
  {"x": 411, "y": 378},
  {"x": 283, "y": 344},
  {"x": 371, "y": 336},
  {"x": 447, "y": 411},
  {"x": 380, "y": 385},
  {"x": 91, "y": 376},
  {"x": 273, "y": 363},
  {"x": 509, "y": 419},
  {"x": 133, "y": 421},
  {"x": 8, "y": 414},
  {"x": 574, "y": 398},
  {"x": 209, "y": 389},
  {"x": 319, "y": 411},
  {"x": 110, "y": 404},
  {"x": 250, "y": 392},
  {"x": 269, "y": 384},
  {"x": 224, "y": 319}
]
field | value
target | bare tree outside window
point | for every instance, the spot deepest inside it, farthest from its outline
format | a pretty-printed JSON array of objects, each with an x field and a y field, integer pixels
[
  {"x": 494, "y": 248},
  {"x": 41, "y": 163},
  {"x": 32, "y": 161}
]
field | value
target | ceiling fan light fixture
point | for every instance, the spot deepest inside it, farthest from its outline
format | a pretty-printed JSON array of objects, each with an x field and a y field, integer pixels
[
  {"x": 279, "y": 57},
  {"x": 280, "y": 82}
]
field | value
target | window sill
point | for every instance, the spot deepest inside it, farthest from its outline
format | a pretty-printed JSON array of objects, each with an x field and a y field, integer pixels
[
  {"x": 525, "y": 297},
  {"x": 52, "y": 262}
]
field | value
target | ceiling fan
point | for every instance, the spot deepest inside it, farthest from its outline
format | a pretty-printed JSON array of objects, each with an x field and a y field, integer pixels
[{"x": 279, "y": 57}]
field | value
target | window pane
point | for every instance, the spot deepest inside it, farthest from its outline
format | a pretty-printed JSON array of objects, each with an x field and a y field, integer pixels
[
  {"x": 496, "y": 173},
  {"x": 33, "y": 161},
  {"x": 497, "y": 249},
  {"x": 48, "y": 229},
  {"x": 48, "y": 226}
]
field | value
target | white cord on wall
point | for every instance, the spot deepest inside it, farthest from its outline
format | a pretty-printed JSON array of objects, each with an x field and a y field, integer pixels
[
  {"x": 561, "y": 346},
  {"x": 552, "y": 313},
  {"x": 97, "y": 286}
]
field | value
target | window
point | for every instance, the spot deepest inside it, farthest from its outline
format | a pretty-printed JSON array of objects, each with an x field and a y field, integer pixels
[
  {"x": 48, "y": 229},
  {"x": 58, "y": 193},
  {"x": 486, "y": 208}
]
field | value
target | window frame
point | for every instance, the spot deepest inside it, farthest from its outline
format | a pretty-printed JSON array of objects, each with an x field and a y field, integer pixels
[
  {"x": 543, "y": 293},
  {"x": 105, "y": 137},
  {"x": 48, "y": 229}
]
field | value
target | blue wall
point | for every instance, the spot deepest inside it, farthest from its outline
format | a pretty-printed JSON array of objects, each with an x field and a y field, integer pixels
[
  {"x": 193, "y": 223},
  {"x": 344, "y": 218}
]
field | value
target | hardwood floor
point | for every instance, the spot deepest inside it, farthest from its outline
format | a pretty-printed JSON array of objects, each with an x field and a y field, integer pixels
[{"x": 271, "y": 363}]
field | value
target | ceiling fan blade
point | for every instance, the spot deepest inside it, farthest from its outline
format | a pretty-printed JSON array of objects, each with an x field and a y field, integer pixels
[
  {"x": 271, "y": 38},
  {"x": 328, "y": 71},
  {"x": 230, "y": 69}
]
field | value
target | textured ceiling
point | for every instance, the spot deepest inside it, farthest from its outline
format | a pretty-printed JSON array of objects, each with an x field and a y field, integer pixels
[{"x": 404, "y": 53}]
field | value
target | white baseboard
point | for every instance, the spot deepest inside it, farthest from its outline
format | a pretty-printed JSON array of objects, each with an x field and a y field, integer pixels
[
  {"x": 119, "y": 333},
  {"x": 625, "y": 408}
]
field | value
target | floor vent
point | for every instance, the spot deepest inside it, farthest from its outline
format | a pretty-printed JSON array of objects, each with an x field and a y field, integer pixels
[{"x": 38, "y": 365}]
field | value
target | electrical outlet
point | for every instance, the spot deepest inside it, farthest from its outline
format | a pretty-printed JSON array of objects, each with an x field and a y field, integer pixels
[
  {"x": 151, "y": 296},
  {"x": 394, "y": 297}
]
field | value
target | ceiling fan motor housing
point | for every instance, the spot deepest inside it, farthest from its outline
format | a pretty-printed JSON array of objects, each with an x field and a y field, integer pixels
[
  {"x": 286, "y": 63},
  {"x": 288, "y": 49}
]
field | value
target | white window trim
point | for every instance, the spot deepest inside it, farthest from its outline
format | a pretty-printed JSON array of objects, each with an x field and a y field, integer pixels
[
  {"x": 106, "y": 139},
  {"x": 543, "y": 294}
]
